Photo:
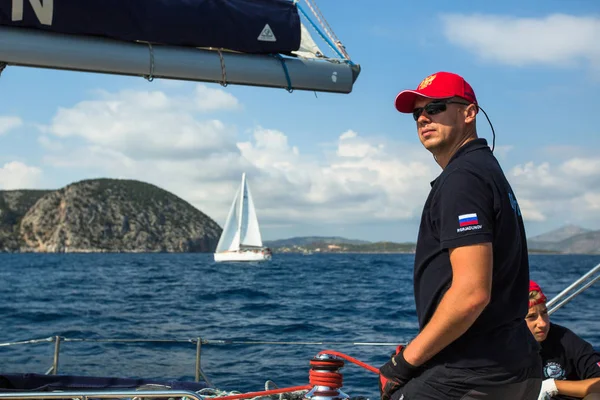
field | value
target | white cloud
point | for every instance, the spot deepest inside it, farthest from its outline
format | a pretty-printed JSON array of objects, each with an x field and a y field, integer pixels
[
  {"x": 502, "y": 152},
  {"x": 581, "y": 167},
  {"x": 163, "y": 140},
  {"x": 16, "y": 175},
  {"x": 9, "y": 123},
  {"x": 592, "y": 201},
  {"x": 531, "y": 211},
  {"x": 353, "y": 147},
  {"x": 362, "y": 180},
  {"x": 558, "y": 39},
  {"x": 49, "y": 144},
  {"x": 271, "y": 149},
  {"x": 569, "y": 190},
  {"x": 90, "y": 157},
  {"x": 149, "y": 125},
  {"x": 209, "y": 99},
  {"x": 355, "y": 180}
]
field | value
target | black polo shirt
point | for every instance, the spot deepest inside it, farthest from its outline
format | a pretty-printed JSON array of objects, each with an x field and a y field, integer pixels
[
  {"x": 472, "y": 202},
  {"x": 566, "y": 356}
]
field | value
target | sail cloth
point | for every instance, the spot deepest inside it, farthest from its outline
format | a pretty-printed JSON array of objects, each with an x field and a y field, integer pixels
[
  {"x": 249, "y": 26},
  {"x": 241, "y": 227}
]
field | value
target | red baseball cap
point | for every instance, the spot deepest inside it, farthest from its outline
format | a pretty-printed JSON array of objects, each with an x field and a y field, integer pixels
[
  {"x": 535, "y": 287},
  {"x": 440, "y": 85}
]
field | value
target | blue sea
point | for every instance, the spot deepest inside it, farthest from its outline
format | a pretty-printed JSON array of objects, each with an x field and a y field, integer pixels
[{"x": 338, "y": 299}]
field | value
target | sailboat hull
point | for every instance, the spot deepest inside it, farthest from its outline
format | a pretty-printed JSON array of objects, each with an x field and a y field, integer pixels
[{"x": 243, "y": 256}]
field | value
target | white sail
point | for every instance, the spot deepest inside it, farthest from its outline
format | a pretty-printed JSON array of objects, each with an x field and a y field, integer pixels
[
  {"x": 250, "y": 232},
  {"x": 308, "y": 47},
  {"x": 230, "y": 238}
]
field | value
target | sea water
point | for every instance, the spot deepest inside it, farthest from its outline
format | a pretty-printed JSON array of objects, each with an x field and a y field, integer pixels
[{"x": 275, "y": 312}]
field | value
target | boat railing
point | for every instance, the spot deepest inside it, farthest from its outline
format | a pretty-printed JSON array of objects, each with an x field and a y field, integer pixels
[
  {"x": 199, "y": 342},
  {"x": 107, "y": 394},
  {"x": 577, "y": 287}
]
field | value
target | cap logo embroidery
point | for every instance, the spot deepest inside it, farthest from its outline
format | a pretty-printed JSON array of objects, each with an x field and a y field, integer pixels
[{"x": 426, "y": 82}]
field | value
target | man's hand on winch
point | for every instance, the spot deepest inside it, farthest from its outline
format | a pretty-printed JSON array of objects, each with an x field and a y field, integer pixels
[{"x": 394, "y": 374}]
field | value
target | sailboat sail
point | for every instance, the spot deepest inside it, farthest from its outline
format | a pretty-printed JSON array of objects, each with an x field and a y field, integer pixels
[
  {"x": 230, "y": 238},
  {"x": 241, "y": 227},
  {"x": 250, "y": 232}
]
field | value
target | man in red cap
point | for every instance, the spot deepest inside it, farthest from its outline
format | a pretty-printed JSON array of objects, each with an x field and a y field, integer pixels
[
  {"x": 571, "y": 366},
  {"x": 471, "y": 271}
]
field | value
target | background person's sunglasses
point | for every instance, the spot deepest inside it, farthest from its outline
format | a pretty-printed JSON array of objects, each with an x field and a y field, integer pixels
[{"x": 435, "y": 107}]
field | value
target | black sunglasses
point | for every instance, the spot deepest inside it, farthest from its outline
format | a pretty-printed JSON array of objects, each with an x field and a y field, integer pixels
[{"x": 435, "y": 107}]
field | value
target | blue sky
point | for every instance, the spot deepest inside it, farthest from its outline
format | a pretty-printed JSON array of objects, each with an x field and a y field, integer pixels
[{"x": 344, "y": 165}]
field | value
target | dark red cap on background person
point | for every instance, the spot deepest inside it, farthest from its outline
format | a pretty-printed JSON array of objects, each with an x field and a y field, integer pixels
[
  {"x": 536, "y": 296},
  {"x": 441, "y": 85}
]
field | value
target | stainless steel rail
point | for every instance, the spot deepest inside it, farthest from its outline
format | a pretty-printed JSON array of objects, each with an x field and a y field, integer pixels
[
  {"x": 197, "y": 341},
  {"x": 564, "y": 297}
]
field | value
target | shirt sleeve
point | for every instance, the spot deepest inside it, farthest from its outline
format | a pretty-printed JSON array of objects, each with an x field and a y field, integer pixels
[
  {"x": 584, "y": 358},
  {"x": 463, "y": 210}
]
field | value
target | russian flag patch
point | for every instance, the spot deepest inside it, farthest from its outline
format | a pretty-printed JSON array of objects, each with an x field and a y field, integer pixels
[{"x": 468, "y": 219}]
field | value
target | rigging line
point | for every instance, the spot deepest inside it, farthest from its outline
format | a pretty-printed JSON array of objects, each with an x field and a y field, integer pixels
[
  {"x": 150, "y": 76},
  {"x": 130, "y": 340},
  {"x": 321, "y": 18},
  {"x": 223, "y": 69},
  {"x": 32, "y": 341},
  {"x": 325, "y": 38},
  {"x": 204, "y": 341},
  {"x": 315, "y": 343},
  {"x": 287, "y": 78}
]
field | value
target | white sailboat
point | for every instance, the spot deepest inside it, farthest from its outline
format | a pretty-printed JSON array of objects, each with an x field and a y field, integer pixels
[{"x": 241, "y": 239}]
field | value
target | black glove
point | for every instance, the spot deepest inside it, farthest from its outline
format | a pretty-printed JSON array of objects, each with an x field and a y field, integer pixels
[{"x": 394, "y": 374}]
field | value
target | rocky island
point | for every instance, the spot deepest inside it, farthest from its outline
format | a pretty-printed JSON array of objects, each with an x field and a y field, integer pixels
[{"x": 103, "y": 215}]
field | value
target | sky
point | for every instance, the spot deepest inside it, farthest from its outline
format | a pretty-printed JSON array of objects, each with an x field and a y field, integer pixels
[{"x": 335, "y": 164}]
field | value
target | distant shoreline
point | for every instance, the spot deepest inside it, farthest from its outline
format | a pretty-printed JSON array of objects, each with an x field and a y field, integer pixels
[
  {"x": 275, "y": 251},
  {"x": 548, "y": 253}
]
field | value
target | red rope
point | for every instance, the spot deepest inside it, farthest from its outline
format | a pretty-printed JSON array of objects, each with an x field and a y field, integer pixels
[
  {"x": 351, "y": 359},
  {"x": 322, "y": 378},
  {"x": 333, "y": 380}
]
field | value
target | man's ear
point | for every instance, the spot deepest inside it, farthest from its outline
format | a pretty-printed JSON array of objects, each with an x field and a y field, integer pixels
[{"x": 470, "y": 113}]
